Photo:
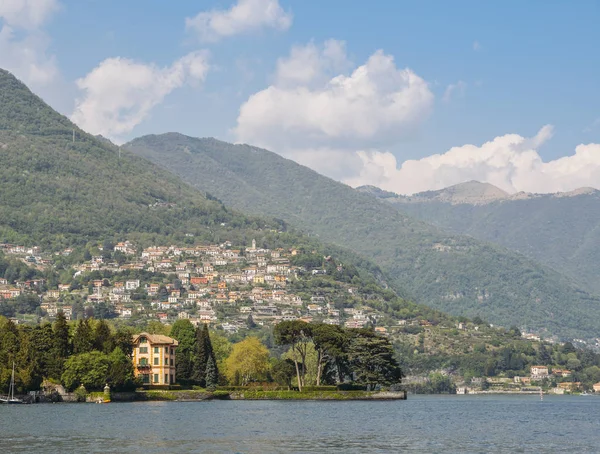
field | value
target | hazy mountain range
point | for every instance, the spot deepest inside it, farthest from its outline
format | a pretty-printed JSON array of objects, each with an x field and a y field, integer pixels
[{"x": 560, "y": 230}]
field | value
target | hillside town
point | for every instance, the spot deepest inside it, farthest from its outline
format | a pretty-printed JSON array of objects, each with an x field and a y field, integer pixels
[
  {"x": 234, "y": 288},
  {"x": 218, "y": 285}
]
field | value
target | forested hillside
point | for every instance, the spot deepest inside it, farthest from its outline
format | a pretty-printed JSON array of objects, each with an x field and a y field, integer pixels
[
  {"x": 457, "y": 274},
  {"x": 559, "y": 230},
  {"x": 61, "y": 187}
]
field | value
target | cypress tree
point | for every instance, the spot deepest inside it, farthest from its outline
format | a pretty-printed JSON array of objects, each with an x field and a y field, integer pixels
[
  {"x": 202, "y": 352},
  {"x": 83, "y": 341},
  {"x": 61, "y": 336},
  {"x": 102, "y": 337},
  {"x": 199, "y": 363}
]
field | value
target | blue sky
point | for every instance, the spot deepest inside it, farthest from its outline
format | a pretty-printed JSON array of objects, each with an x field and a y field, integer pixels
[{"x": 485, "y": 70}]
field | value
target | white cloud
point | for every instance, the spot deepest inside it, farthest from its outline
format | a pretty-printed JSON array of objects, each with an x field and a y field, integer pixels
[
  {"x": 27, "y": 14},
  {"x": 511, "y": 162},
  {"x": 120, "y": 93},
  {"x": 23, "y": 44},
  {"x": 477, "y": 46},
  {"x": 311, "y": 64},
  {"x": 243, "y": 17},
  {"x": 308, "y": 109},
  {"x": 454, "y": 90}
]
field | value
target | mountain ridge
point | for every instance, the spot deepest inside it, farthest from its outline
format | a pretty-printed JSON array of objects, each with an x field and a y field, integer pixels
[
  {"x": 457, "y": 274},
  {"x": 471, "y": 193},
  {"x": 62, "y": 187}
]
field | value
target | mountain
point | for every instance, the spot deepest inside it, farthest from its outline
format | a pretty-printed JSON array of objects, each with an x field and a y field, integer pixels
[
  {"x": 472, "y": 192},
  {"x": 560, "y": 230},
  {"x": 62, "y": 187},
  {"x": 454, "y": 273}
]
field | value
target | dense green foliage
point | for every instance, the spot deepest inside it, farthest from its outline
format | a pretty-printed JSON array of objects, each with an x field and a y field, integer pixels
[
  {"x": 359, "y": 354},
  {"x": 57, "y": 192},
  {"x": 88, "y": 353},
  {"x": 559, "y": 231},
  {"x": 457, "y": 274}
]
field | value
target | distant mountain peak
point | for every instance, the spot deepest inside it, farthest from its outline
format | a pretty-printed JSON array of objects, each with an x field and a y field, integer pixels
[{"x": 471, "y": 192}]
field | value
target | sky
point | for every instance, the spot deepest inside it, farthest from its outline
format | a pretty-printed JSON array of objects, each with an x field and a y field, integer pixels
[{"x": 406, "y": 96}]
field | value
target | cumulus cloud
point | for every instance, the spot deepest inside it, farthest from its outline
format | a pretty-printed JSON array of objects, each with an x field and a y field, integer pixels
[
  {"x": 312, "y": 65},
  {"x": 511, "y": 162},
  {"x": 23, "y": 43},
  {"x": 119, "y": 93},
  {"x": 243, "y": 17},
  {"x": 312, "y": 106}
]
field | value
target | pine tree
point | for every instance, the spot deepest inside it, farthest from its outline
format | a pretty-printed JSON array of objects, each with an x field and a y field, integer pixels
[{"x": 212, "y": 377}]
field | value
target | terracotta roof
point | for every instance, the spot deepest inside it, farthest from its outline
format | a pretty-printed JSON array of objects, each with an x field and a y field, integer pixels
[{"x": 156, "y": 339}]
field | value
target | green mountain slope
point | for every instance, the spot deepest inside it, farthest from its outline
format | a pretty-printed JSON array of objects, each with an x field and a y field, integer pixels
[
  {"x": 559, "y": 230},
  {"x": 457, "y": 274},
  {"x": 61, "y": 187}
]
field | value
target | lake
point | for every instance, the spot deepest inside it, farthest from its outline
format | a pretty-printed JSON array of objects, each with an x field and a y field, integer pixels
[{"x": 448, "y": 424}]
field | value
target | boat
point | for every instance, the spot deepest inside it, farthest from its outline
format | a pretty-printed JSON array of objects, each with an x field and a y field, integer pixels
[{"x": 11, "y": 399}]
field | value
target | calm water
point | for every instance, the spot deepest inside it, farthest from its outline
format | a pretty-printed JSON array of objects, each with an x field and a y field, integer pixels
[{"x": 429, "y": 424}]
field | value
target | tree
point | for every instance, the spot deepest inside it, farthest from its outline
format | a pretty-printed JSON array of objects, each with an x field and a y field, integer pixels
[
  {"x": 61, "y": 336},
  {"x": 283, "y": 371},
  {"x": 83, "y": 341},
  {"x": 122, "y": 340},
  {"x": 296, "y": 334},
  {"x": 87, "y": 369},
  {"x": 212, "y": 378},
  {"x": 249, "y": 361},
  {"x": 202, "y": 351},
  {"x": 156, "y": 327},
  {"x": 330, "y": 341},
  {"x": 372, "y": 359},
  {"x": 184, "y": 332},
  {"x": 250, "y": 322},
  {"x": 120, "y": 374},
  {"x": 102, "y": 337}
]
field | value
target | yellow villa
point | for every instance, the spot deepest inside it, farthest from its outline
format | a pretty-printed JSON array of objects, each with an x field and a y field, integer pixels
[{"x": 154, "y": 359}]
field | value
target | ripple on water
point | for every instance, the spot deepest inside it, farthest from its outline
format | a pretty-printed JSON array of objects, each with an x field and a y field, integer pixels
[{"x": 448, "y": 424}]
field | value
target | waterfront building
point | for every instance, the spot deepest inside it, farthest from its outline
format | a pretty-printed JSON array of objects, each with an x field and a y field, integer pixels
[{"x": 154, "y": 359}]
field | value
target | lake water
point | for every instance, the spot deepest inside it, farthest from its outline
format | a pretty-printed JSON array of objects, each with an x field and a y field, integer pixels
[{"x": 431, "y": 424}]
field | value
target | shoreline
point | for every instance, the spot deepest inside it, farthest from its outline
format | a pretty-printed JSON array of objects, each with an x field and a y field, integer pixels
[{"x": 199, "y": 396}]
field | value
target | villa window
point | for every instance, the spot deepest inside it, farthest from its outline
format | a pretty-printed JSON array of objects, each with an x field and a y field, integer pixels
[
  {"x": 156, "y": 361},
  {"x": 156, "y": 350},
  {"x": 145, "y": 378},
  {"x": 143, "y": 340},
  {"x": 143, "y": 361},
  {"x": 167, "y": 379},
  {"x": 166, "y": 361},
  {"x": 155, "y": 378},
  {"x": 143, "y": 349},
  {"x": 166, "y": 350}
]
